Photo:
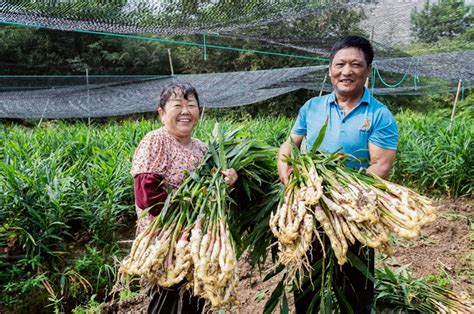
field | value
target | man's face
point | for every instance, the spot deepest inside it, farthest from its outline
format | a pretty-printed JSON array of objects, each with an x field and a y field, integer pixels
[{"x": 348, "y": 72}]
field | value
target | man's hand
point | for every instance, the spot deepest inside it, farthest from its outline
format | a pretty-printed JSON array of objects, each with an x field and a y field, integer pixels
[
  {"x": 284, "y": 169},
  {"x": 230, "y": 176}
]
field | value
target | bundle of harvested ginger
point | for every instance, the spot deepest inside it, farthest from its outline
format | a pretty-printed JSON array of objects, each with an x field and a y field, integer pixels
[
  {"x": 348, "y": 206},
  {"x": 190, "y": 242}
]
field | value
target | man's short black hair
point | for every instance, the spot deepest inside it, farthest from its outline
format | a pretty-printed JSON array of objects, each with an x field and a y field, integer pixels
[{"x": 354, "y": 42}]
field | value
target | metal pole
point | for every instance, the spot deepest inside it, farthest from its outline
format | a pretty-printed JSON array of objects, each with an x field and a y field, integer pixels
[
  {"x": 455, "y": 103},
  {"x": 171, "y": 61}
]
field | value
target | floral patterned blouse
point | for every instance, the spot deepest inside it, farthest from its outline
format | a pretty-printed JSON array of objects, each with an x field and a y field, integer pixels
[{"x": 158, "y": 165}]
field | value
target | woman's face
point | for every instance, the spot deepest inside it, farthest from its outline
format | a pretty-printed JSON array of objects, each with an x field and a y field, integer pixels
[{"x": 180, "y": 115}]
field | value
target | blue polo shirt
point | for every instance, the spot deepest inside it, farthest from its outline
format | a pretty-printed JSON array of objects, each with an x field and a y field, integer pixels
[{"x": 370, "y": 121}]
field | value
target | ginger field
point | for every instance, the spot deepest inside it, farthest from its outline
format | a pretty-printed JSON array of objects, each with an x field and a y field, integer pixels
[{"x": 66, "y": 209}]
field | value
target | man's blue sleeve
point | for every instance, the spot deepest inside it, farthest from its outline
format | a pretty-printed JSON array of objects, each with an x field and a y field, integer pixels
[
  {"x": 300, "y": 127},
  {"x": 385, "y": 131}
]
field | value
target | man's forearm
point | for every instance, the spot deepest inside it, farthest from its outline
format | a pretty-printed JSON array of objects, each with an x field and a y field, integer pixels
[
  {"x": 284, "y": 151},
  {"x": 381, "y": 160},
  {"x": 380, "y": 170},
  {"x": 283, "y": 168}
]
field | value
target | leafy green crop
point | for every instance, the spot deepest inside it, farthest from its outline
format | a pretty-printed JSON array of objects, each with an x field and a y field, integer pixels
[{"x": 65, "y": 187}]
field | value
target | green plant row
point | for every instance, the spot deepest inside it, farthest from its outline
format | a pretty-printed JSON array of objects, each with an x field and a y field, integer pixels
[
  {"x": 434, "y": 155},
  {"x": 66, "y": 199},
  {"x": 66, "y": 195}
]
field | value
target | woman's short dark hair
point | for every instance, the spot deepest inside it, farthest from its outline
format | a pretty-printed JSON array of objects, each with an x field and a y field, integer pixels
[
  {"x": 175, "y": 88},
  {"x": 354, "y": 42}
]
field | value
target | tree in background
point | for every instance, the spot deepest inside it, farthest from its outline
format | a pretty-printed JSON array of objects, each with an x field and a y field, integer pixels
[
  {"x": 244, "y": 24},
  {"x": 446, "y": 18},
  {"x": 44, "y": 51}
]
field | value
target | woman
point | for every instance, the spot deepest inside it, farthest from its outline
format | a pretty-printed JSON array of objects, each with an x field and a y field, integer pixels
[{"x": 158, "y": 167}]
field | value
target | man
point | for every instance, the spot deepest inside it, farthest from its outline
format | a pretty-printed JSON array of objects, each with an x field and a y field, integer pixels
[{"x": 359, "y": 125}]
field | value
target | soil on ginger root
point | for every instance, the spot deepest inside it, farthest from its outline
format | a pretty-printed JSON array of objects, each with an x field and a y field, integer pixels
[{"x": 442, "y": 250}]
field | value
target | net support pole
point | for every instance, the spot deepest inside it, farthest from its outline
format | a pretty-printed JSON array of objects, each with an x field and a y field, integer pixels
[
  {"x": 204, "y": 43},
  {"x": 455, "y": 103},
  {"x": 322, "y": 85},
  {"x": 368, "y": 80},
  {"x": 44, "y": 111},
  {"x": 171, "y": 62},
  {"x": 372, "y": 76},
  {"x": 88, "y": 98},
  {"x": 204, "y": 46},
  {"x": 202, "y": 113}
]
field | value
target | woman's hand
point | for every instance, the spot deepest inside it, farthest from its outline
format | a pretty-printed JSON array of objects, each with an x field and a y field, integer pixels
[{"x": 230, "y": 176}]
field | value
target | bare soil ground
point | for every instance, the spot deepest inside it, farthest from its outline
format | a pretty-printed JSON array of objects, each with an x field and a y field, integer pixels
[
  {"x": 444, "y": 252},
  {"x": 446, "y": 248}
]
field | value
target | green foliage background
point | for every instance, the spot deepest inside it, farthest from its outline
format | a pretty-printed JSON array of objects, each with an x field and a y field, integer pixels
[
  {"x": 444, "y": 18},
  {"x": 66, "y": 195}
]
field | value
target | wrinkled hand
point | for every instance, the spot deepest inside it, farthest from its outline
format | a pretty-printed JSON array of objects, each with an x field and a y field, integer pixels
[{"x": 230, "y": 176}]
